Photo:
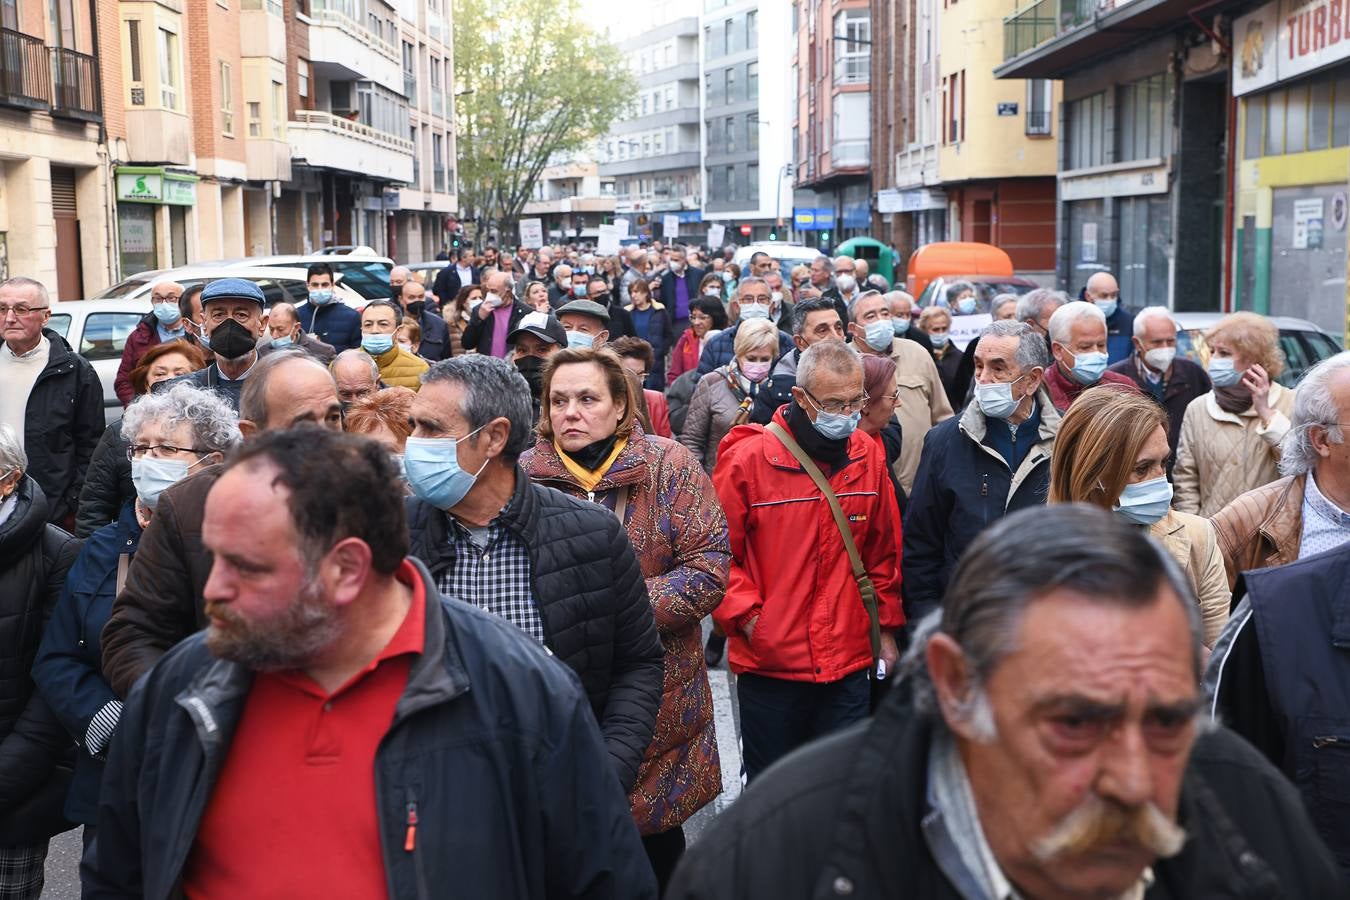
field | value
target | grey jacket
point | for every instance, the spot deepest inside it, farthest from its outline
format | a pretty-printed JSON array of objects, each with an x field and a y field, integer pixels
[{"x": 712, "y": 412}]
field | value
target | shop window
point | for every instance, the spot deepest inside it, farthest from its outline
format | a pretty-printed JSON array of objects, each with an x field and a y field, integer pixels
[
  {"x": 1275, "y": 123},
  {"x": 1319, "y": 115},
  {"x": 1087, "y": 240},
  {"x": 1254, "y": 116},
  {"x": 1296, "y": 119},
  {"x": 1143, "y": 128},
  {"x": 1086, "y": 123},
  {"x": 1340, "y": 112},
  {"x": 1144, "y": 228}
]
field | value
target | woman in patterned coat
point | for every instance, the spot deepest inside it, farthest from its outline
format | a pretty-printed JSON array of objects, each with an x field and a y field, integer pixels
[{"x": 591, "y": 446}]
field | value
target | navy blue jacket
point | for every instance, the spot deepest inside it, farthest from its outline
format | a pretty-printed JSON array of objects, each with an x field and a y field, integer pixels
[
  {"x": 493, "y": 754},
  {"x": 659, "y": 335},
  {"x": 722, "y": 348},
  {"x": 435, "y": 337},
  {"x": 1119, "y": 331},
  {"x": 962, "y": 486},
  {"x": 336, "y": 324},
  {"x": 69, "y": 665}
]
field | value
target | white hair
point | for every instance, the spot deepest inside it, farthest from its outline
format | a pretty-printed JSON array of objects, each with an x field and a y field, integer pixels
[
  {"x": 1152, "y": 312},
  {"x": 12, "y": 456},
  {"x": 1063, "y": 319},
  {"x": 1314, "y": 407}
]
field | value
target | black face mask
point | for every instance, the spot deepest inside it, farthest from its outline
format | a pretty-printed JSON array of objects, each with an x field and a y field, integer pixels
[
  {"x": 395, "y": 292},
  {"x": 231, "y": 341},
  {"x": 532, "y": 367},
  {"x": 415, "y": 308}
]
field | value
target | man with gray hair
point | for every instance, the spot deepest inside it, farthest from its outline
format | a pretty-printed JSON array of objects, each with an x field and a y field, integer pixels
[
  {"x": 1078, "y": 346},
  {"x": 637, "y": 269},
  {"x": 1154, "y": 367},
  {"x": 50, "y": 395},
  {"x": 1047, "y": 741},
  {"x": 560, "y": 288},
  {"x": 809, "y": 608},
  {"x": 753, "y": 300},
  {"x": 559, "y": 569},
  {"x": 991, "y": 460},
  {"x": 1308, "y": 510}
]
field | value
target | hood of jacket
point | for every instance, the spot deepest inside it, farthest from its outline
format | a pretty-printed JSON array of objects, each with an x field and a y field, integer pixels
[{"x": 25, "y": 523}]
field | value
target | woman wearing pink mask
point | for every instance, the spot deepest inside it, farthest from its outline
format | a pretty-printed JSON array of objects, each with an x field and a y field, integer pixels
[{"x": 725, "y": 395}]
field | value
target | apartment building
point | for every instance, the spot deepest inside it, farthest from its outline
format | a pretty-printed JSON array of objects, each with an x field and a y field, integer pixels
[
  {"x": 56, "y": 120},
  {"x": 832, "y": 121},
  {"x": 652, "y": 153},
  {"x": 572, "y": 198}
]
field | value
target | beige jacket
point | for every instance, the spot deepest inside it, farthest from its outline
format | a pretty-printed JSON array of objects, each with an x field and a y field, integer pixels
[
  {"x": 1190, "y": 540},
  {"x": 1263, "y": 527},
  {"x": 923, "y": 404},
  {"x": 1221, "y": 456},
  {"x": 712, "y": 410}
]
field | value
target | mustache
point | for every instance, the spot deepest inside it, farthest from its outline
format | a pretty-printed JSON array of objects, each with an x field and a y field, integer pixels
[{"x": 1097, "y": 823}]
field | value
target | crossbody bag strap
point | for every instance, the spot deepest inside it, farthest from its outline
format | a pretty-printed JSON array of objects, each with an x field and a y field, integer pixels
[
  {"x": 123, "y": 564},
  {"x": 865, "y": 586},
  {"x": 621, "y": 503}
]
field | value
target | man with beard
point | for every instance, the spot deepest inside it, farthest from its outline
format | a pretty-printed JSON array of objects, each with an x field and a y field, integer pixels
[
  {"x": 1045, "y": 741},
  {"x": 340, "y": 729},
  {"x": 234, "y": 321}
]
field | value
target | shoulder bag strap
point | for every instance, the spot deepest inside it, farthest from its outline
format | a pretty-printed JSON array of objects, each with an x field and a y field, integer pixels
[
  {"x": 123, "y": 564},
  {"x": 865, "y": 586},
  {"x": 621, "y": 503}
]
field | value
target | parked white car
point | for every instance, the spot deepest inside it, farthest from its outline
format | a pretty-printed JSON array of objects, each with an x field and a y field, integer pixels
[
  {"x": 788, "y": 255},
  {"x": 279, "y": 283},
  {"x": 98, "y": 330}
]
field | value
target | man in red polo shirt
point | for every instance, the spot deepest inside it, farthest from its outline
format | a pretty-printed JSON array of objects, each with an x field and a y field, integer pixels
[{"x": 339, "y": 731}]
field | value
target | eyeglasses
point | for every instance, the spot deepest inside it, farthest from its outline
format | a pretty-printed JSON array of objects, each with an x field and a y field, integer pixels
[
  {"x": 158, "y": 451},
  {"x": 165, "y": 298},
  {"x": 22, "y": 310},
  {"x": 837, "y": 408}
]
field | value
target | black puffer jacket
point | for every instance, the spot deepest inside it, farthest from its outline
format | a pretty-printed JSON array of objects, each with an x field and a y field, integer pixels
[
  {"x": 34, "y": 559},
  {"x": 63, "y": 425},
  {"x": 592, "y": 600},
  {"x": 107, "y": 483}
]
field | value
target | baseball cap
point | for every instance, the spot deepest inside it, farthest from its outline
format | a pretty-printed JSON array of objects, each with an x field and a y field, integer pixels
[
  {"x": 233, "y": 289},
  {"x": 586, "y": 308},
  {"x": 541, "y": 325}
]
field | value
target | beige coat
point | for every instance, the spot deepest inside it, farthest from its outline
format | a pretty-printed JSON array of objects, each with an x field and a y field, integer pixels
[
  {"x": 923, "y": 404},
  {"x": 1190, "y": 540},
  {"x": 712, "y": 410},
  {"x": 1221, "y": 456}
]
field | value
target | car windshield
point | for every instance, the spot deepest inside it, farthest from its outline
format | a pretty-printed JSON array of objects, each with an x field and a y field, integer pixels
[
  {"x": 369, "y": 279},
  {"x": 60, "y": 323},
  {"x": 1302, "y": 350},
  {"x": 122, "y": 289}
]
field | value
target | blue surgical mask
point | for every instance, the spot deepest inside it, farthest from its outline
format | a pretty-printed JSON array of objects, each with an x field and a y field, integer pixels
[
  {"x": 900, "y": 324},
  {"x": 167, "y": 313},
  {"x": 1088, "y": 367},
  {"x": 580, "y": 339},
  {"x": 282, "y": 342},
  {"x": 1222, "y": 372},
  {"x": 431, "y": 467},
  {"x": 939, "y": 340},
  {"x": 578, "y": 290},
  {"x": 377, "y": 344},
  {"x": 1146, "y": 502},
  {"x": 1108, "y": 307},
  {"x": 965, "y": 306},
  {"x": 879, "y": 334},
  {"x": 754, "y": 311},
  {"x": 835, "y": 426},
  {"x": 320, "y": 298},
  {"x": 996, "y": 400},
  {"x": 152, "y": 477}
]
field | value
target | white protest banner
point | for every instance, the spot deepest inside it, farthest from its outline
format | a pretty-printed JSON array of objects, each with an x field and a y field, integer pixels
[
  {"x": 532, "y": 233},
  {"x": 716, "y": 234},
  {"x": 608, "y": 241},
  {"x": 967, "y": 328},
  {"x": 670, "y": 226}
]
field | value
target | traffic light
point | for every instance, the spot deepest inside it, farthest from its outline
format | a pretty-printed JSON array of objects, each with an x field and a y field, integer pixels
[
  {"x": 825, "y": 238},
  {"x": 773, "y": 235},
  {"x": 454, "y": 241}
]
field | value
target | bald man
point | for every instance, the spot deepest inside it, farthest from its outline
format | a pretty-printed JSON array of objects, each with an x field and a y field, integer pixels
[
  {"x": 284, "y": 332},
  {"x": 162, "y": 324},
  {"x": 1103, "y": 291}
]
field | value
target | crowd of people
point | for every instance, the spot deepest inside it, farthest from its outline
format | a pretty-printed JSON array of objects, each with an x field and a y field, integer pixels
[{"x": 410, "y": 600}]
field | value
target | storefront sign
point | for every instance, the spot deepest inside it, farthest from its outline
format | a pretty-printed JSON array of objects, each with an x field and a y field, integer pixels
[
  {"x": 140, "y": 187},
  {"x": 1308, "y": 224},
  {"x": 804, "y": 219},
  {"x": 155, "y": 185},
  {"x": 1338, "y": 210},
  {"x": 1288, "y": 38},
  {"x": 1126, "y": 183}
]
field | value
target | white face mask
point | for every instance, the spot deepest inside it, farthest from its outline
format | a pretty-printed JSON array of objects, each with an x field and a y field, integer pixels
[
  {"x": 1160, "y": 358},
  {"x": 846, "y": 283}
]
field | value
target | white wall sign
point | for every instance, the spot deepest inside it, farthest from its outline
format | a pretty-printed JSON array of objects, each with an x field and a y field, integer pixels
[
  {"x": 1308, "y": 224},
  {"x": 532, "y": 233},
  {"x": 138, "y": 235},
  {"x": 1088, "y": 246},
  {"x": 1130, "y": 183}
]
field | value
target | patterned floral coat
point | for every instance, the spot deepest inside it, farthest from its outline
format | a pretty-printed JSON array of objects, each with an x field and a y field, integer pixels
[{"x": 679, "y": 534}]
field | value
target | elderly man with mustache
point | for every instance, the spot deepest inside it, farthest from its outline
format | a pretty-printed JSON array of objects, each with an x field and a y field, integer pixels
[{"x": 1046, "y": 741}]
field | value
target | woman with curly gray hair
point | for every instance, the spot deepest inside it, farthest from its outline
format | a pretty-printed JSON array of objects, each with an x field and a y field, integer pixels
[{"x": 171, "y": 435}]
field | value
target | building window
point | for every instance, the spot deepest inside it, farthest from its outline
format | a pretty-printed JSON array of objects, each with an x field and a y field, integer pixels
[
  {"x": 752, "y": 181},
  {"x": 752, "y": 29},
  {"x": 954, "y": 107},
  {"x": 226, "y": 101},
  {"x": 438, "y": 163},
  {"x": 254, "y": 118},
  {"x": 852, "y": 130},
  {"x": 133, "y": 47},
  {"x": 168, "y": 69},
  {"x": 1040, "y": 101},
  {"x": 302, "y": 78},
  {"x": 278, "y": 110},
  {"x": 729, "y": 36},
  {"x": 752, "y": 81},
  {"x": 730, "y": 126},
  {"x": 852, "y": 46},
  {"x": 670, "y": 96},
  {"x": 1086, "y": 126},
  {"x": 731, "y": 182},
  {"x": 729, "y": 82},
  {"x": 1143, "y": 129}
]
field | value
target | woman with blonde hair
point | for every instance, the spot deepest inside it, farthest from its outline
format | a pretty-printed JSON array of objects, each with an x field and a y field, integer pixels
[
  {"x": 1230, "y": 437},
  {"x": 1111, "y": 451}
]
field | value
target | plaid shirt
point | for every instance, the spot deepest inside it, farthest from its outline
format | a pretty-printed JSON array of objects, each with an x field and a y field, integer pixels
[{"x": 495, "y": 577}]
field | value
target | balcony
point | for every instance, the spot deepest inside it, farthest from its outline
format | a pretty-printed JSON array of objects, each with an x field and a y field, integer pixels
[
  {"x": 1029, "y": 28},
  {"x": 323, "y": 140},
  {"x": 75, "y": 85},
  {"x": 847, "y": 154},
  {"x": 341, "y": 49},
  {"x": 25, "y": 71},
  {"x": 1053, "y": 38},
  {"x": 855, "y": 69}
]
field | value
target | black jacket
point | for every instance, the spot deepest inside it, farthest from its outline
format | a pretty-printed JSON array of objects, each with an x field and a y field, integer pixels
[
  {"x": 34, "y": 748},
  {"x": 435, "y": 337},
  {"x": 692, "y": 277},
  {"x": 107, "y": 483},
  {"x": 478, "y": 331},
  {"x": 592, "y": 600},
  {"x": 492, "y": 753},
  {"x": 335, "y": 323},
  {"x": 849, "y": 816},
  {"x": 62, "y": 426},
  {"x": 1188, "y": 381},
  {"x": 447, "y": 283}
]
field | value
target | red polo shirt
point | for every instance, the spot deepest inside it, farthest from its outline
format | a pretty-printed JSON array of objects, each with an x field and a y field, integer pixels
[{"x": 293, "y": 813}]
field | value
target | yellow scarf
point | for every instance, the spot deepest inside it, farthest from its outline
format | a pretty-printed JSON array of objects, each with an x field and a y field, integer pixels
[{"x": 588, "y": 480}]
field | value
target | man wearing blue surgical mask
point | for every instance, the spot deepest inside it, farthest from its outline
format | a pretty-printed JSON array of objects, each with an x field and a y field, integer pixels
[
  {"x": 1078, "y": 345},
  {"x": 753, "y": 300},
  {"x": 164, "y": 323},
  {"x": 324, "y": 315},
  {"x": 586, "y": 323},
  {"x": 1103, "y": 292},
  {"x": 284, "y": 332},
  {"x": 559, "y": 569}
]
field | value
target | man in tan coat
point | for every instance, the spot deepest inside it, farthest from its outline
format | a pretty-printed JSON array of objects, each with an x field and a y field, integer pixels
[{"x": 923, "y": 401}]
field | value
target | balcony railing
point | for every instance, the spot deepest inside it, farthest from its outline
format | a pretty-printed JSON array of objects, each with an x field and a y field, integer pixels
[
  {"x": 852, "y": 69},
  {"x": 337, "y": 17},
  {"x": 75, "y": 83},
  {"x": 1028, "y": 28},
  {"x": 357, "y": 130},
  {"x": 25, "y": 70},
  {"x": 1038, "y": 121},
  {"x": 850, "y": 153}
]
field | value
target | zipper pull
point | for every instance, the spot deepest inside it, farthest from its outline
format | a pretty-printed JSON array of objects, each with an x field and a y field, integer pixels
[
  {"x": 1321, "y": 743},
  {"x": 984, "y": 486},
  {"x": 590, "y": 495},
  {"x": 410, "y": 838}
]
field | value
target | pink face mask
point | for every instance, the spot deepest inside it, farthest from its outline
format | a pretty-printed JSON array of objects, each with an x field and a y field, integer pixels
[{"x": 755, "y": 371}]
